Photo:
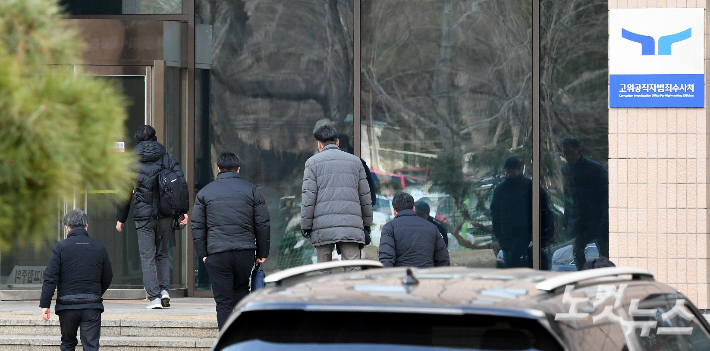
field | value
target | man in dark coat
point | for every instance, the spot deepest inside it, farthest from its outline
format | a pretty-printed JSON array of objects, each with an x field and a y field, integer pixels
[
  {"x": 344, "y": 145},
  {"x": 336, "y": 206},
  {"x": 511, "y": 212},
  {"x": 80, "y": 270},
  {"x": 231, "y": 230},
  {"x": 586, "y": 199},
  {"x": 422, "y": 209},
  {"x": 153, "y": 229},
  {"x": 409, "y": 240}
]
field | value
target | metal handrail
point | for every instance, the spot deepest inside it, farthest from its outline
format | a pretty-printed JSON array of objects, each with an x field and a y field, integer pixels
[
  {"x": 571, "y": 278},
  {"x": 296, "y": 271}
]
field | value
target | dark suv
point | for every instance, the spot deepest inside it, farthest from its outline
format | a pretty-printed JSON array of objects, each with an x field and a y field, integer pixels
[{"x": 463, "y": 308}]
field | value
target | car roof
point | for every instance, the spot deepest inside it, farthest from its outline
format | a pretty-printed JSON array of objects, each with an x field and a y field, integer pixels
[{"x": 437, "y": 289}]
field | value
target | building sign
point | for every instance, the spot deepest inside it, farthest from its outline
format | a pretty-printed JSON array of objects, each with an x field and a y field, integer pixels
[{"x": 656, "y": 57}]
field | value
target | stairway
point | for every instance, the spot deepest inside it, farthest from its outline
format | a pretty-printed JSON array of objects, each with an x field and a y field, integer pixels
[{"x": 176, "y": 333}]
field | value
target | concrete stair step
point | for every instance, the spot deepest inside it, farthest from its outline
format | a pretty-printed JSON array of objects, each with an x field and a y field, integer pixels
[
  {"x": 116, "y": 343},
  {"x": 133, "y": 327}
]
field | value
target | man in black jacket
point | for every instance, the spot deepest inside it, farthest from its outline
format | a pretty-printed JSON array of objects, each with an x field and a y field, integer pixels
[
  {"x": 81, "y": 271},
  {"x": 422, "y": 209},
  {"x": 345, "y": 146},
  {"x": 409, "y": 240},
  {"x": 153, "y": 229},
  {"x": 586, "y": 198},
  {"x": 511, "y": 212},
  {"x": 230, "y": 222}
]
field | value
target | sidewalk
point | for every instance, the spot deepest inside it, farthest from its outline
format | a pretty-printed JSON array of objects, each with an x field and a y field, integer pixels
[{"x": 181, "y": 308}]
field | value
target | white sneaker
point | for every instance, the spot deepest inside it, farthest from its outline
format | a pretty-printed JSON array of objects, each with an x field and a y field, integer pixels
[
  {"x": 154, "y": 304},
  {"x": 165, "y": 298}
]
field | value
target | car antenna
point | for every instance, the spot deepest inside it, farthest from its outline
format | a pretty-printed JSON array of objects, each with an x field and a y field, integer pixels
[{"x": 409, "y": 278}]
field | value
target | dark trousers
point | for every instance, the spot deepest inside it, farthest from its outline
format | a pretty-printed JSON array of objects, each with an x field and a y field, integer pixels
[
  {"x": 89, "y": 320},
  {"x": 516, "y": 257},
  {"x": 584, "y": 238},
  {"x": 153, "y": 239},
  {"x": 229, "y": 274}
]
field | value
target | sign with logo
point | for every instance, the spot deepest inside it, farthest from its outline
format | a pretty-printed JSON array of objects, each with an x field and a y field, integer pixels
[{"x": 656, "y": 57}]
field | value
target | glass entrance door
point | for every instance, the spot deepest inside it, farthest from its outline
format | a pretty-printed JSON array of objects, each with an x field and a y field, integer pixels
[
  {"x": 153, "y": 95},
  {"x": 134, "y": 82},
  {"x": 22, "y": 269}
]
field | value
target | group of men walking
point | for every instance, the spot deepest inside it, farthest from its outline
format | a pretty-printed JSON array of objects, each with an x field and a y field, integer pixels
[
  {"x": 336, "y": 212},
  {"x": 231, "y": 230}
]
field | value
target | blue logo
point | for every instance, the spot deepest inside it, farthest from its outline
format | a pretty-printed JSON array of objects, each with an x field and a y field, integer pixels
[{"x": 648, "y": 44}]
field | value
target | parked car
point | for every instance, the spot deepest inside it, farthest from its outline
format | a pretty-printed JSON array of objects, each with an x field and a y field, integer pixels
[
  {"x": 444, "y": 308},
  {"x": 563, "y": 259}
]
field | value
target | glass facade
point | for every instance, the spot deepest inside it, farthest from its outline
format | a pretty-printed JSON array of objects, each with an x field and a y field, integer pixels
[
  {"x": 446, "y": 114},
  {"x": 446, "y": 98},
  {"x": 121, "y": 7},
  {"x": 573, "y": 104},
  {"x": 279, "y": 70}
]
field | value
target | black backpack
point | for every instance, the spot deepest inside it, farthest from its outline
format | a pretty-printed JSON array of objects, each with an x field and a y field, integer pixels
[{"x": 173, "y": 197}]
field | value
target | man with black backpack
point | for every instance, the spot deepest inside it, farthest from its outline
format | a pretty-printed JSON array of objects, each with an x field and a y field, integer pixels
[{"x": 160, "y": 202}]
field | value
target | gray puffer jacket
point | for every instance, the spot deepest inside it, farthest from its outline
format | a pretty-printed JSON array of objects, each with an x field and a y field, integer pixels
[{"x": 336, "y": 203}]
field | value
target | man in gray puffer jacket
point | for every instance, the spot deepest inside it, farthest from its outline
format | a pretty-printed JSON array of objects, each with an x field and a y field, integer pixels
[{"x": 336, "y": 205}]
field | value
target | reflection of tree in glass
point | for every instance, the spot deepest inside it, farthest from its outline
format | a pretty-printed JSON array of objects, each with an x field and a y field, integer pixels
[
  {"x": 278, "y": 68},
  {"x": 293, "y": 51},
  {"x": 452, "y": 79},
  {"x": 161, "y": 6},
  {"x": 573, "y": 86}
]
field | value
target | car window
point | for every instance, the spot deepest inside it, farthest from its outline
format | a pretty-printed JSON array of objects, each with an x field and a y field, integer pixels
[
  {"x": 287, "y": 330},
  {"x": 698, "y": 339}
]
